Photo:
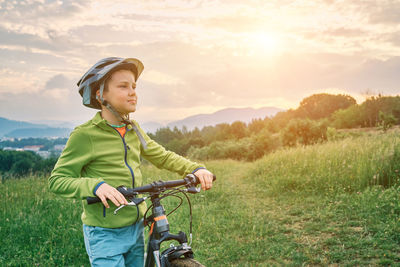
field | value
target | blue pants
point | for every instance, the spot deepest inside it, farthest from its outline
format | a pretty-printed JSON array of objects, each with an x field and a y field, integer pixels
[{"x": 115, "y": 246}]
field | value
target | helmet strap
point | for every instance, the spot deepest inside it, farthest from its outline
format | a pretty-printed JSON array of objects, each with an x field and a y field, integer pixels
[
  {"x": 111, "y": 108},
  {"x": 101, "y": 91}
]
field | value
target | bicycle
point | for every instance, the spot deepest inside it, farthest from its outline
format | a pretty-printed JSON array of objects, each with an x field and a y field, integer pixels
[{"x": 174, "y": 256}]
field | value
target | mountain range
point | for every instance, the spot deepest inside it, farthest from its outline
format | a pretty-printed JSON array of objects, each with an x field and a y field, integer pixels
[
  {"x": 20, "y": 129},
  {"x": 227, "y": 115}
]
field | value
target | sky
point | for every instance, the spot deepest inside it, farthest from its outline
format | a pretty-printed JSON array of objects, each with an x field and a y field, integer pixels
[{"x": 199, "y": 56}]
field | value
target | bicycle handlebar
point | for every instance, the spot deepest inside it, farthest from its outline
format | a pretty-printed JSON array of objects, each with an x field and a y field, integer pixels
[{"x": 153, "y": 187}]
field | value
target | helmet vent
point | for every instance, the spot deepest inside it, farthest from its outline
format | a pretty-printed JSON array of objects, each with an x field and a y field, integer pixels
[{"x": 106, "y": 64}]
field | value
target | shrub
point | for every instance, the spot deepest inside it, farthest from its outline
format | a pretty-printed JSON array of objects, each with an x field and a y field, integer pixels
[
  {"x": 248, "y": 148},
  {"x": 303, "y": 131},
  {"x": 386, "y": 121}
]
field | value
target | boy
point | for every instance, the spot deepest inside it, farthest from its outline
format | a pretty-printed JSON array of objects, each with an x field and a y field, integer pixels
[{"x": 103, "y": 154}]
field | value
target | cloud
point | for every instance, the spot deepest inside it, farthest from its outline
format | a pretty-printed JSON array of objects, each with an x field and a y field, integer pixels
[
  {"x": 53, "y": 105},
  {"x": 24, "y": 39},
  {"x": 198, "y": 55},
  {"x": 14, "y": 82},
  {"x": 58, "y": 81},
  {"x": 34, "y": 60},
  {"x": 237, "y": 24},
  {"x": 381, "y": 76},
  {"x": 57, "y": 94},
  {"x": 292, "y": 77},
  {"x": 106, "y": 33},
  {"x": 34, "y": 10},
  {"x": 384, "y": 12},
  {"x": 160, "y": 78}
]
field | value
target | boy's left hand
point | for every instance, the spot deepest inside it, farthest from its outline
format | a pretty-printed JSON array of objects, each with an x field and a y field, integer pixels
[{"x": 205, "y": 177}]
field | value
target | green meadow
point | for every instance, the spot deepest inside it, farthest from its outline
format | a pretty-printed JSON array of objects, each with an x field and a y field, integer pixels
[{"x": 330, "y": 204}]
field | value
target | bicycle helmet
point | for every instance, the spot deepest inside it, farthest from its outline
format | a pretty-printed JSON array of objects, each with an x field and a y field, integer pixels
[{"x": 95, "y": 77}]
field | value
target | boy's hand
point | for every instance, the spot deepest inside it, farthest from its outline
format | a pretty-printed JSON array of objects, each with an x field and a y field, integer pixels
[
  {"x": 106, "y": 191},
  {"x": 205, "y": 177}
]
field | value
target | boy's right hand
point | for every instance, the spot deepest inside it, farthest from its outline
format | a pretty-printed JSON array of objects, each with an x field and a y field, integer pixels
[{"x": 106, "y": 191}]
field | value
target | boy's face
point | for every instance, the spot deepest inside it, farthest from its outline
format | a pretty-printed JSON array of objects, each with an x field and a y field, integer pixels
[{"x": 121, "y": 93}]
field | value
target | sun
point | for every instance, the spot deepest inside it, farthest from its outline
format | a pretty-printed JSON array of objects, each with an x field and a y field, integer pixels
[{"x": 265, "y": 41}]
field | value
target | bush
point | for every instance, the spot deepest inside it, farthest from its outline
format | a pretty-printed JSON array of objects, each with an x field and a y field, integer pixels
[
  {"x": 20, "y": 163},
  {"x": 386, "y": 121},
  {"x": 303, "y": 131},
  {"x": 261, "y": 144},
  {"x": 248, "y": 148},
  {"x": 21, "y": 167}
]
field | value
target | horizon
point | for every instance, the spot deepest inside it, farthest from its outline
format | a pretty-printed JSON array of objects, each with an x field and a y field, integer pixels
[
  {"x": 163, "y": 123},
  {"x": 200, "y": 57}
]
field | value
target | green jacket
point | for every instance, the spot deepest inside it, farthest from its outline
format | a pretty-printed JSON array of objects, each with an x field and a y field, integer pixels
[{"x": 96, "y": 152}]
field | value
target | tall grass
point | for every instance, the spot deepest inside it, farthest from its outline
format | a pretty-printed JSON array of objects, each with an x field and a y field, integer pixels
[
  {"x": 37, "y": 228},
  {"x": 348, "y": 165}
]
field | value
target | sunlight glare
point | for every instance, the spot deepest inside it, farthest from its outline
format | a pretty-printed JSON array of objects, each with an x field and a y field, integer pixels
[{"x": 266, "y": 42}]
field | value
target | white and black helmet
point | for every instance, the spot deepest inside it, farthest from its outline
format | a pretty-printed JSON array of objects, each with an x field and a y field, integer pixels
[{"x": 95, "y": 77}]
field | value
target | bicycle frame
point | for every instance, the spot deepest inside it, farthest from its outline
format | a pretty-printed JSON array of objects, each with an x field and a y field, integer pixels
[{"x": 159, "y": 232}]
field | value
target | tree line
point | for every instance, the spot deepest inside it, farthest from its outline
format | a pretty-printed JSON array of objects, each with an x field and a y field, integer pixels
[
  {"x": 313, "y": 121},
  {"x": 308, "y": 124},
  {"x": 21, "y": 163}
]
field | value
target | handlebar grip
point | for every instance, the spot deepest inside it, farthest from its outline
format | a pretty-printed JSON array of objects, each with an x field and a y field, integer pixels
[{"x": 92, "y": 200}]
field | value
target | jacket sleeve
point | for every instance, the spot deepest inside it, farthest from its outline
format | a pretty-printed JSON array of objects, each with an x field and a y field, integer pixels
[
  {"x": 65, "y": 179},
  {"x": 162, "y": 158}
]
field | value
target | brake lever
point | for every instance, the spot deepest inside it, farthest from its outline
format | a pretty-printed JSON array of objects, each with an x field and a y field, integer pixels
[
  {"x": 134, "y": 202},
  {"x": 190, "y": 185},
  {"x": 193, "y": 190}
]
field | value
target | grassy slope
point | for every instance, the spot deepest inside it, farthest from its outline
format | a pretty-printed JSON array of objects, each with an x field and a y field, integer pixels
[{"x": 319, "y": 205}]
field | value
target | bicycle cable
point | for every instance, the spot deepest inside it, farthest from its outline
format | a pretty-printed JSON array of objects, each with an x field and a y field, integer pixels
[
  {"x": 190, "y": 213},
  {"x": 173, "y": 192}
]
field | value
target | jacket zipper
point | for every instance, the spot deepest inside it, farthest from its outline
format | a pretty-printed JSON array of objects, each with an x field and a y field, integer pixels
[
  {"x": 126, "y": 163},
  {"x": 126, "y": 153}
]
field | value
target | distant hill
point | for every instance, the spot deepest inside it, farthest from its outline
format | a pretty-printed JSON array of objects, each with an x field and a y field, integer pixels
[
  {"x": 20, "y": 129},
  {"x": 7, "y": 125},
  {"x": 23, "y": 129},
  {"x": 151, "y": 126},
  {"x": 228, "y": 115},
  {"x": 56, "y": 123},
  {"x": 39, "y": 132}
]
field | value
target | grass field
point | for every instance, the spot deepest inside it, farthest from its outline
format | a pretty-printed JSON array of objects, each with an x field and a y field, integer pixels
[{"x": 332, "y": 204}]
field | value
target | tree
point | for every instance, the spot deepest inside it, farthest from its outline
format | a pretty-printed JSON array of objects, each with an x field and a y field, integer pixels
[
  {"x": 223, "y": 132},
  {"x": 260, "y": 144},
  {"x": 320, "y": 106},
  {"x": 303, "y": 131},
  {"x": 386, "y": 121},
  {"x": 21, "y": 167},
  {"x": 281, "y": 119},
  {"x": 351, "y": 117},
  {"x": 255, "y": 126},
  {"x": 164, "y": 135},
  {"x": 209, "y": 134},
  {"x": 238, "y": 129}
]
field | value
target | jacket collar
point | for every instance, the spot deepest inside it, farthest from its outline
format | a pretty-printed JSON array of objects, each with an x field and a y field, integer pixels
[{"x": 100, "y": 122}]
